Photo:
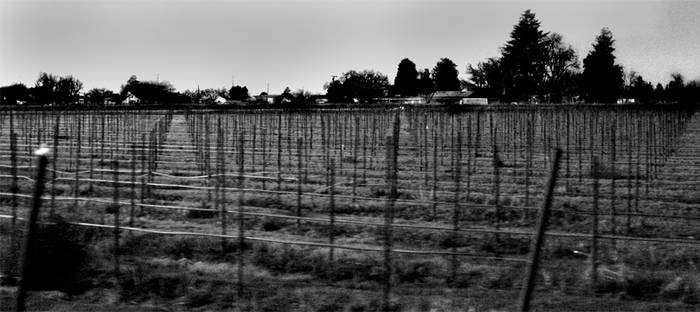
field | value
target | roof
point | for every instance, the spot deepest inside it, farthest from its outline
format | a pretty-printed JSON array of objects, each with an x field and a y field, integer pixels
[{"x": 452, "y": 94}]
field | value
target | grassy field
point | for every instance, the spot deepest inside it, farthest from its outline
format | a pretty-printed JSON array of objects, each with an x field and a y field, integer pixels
[{"x": 311, "y": 193}]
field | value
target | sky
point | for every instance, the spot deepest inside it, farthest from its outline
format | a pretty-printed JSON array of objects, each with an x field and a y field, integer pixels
[{"x": 303, "y": 43}]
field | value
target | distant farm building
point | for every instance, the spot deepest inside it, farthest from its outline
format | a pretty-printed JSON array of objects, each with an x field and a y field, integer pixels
[
  {"x": 457, "y": 97},
  {"x": 408, "y": 100},
  {"x": 220, "y": 100},
  {"x": 111, "y": 100},
  {"x": 131, "y": 99},
  {"x": 267, "y": 98},
  {"x": 626, "y": 101}
]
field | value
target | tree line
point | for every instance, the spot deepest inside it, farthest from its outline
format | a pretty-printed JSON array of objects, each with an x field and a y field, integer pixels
[
  {"x": 50, "y": 89},
  {"x": 534, "y": 66}
]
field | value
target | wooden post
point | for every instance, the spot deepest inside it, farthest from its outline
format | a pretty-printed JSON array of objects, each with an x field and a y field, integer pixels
[
  {"x": 241, "y": 220},
  {"x": 14, "y": 187},
  {"x": 91, "y": 163},
  {"x": 279, "y": 155},
  {"x": 497, "y": 164},
  {"x": 221, "y": 181},
  {"x": 628, "y": 223},
  {"x": 116, "y": 207},
  {"x": 56, "y": 129},
  {"x": 392, "y": 144},
  {"x": 143, "y": 166},
  {"x": 638, "y": 169},
  {"x": 435, "y": 177},
  {"x": 76, "y": 185},
  {"x": 133, "y": 185},
  {"x": 528, "y": 161},
  {"x": 388, "y": 218},
  {"x": 300, "y": 143},
  {"x": 32, "y": 230},
  {"x": 354, "y": 159},
  {"x": 613, "y": 210},
  {"x": 538, "y": 240},
  {"x": 457, "y": 207},
  {"x": 264, "y": 157},
  {"x": 594, "y": 229},
  {"x": 331, "y": 189},
  {"x": 102, "y": 145}
]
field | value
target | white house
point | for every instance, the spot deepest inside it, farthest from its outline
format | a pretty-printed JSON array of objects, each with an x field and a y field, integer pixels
[
  {"x": 220, "y": 100},
  {"x": 131, "y": 99}
]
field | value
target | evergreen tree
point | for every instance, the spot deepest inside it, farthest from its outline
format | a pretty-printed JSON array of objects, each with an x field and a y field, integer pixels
[
  {"x": 524, "y": 57},
  {"x": 602, "y": 78},
  {"x": 445, "y": 76},
  {"x": 406, "y": 81},
  {"x": 659, "y": 93}
]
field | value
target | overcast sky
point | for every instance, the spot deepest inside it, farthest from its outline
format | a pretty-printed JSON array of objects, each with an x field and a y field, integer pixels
[{"x": 301, "y": 44}]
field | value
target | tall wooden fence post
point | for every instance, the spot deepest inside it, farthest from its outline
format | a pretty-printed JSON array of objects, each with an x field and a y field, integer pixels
[
  {"x": 331, "y": 190},
  {"x": 392, "y": 148},
  {"x": 32, "y": 230},
  {"x": 528, "y": 287},
  {"x": 241, "y": 220},
  {"x": 300, "y": 144},
  {"x": 594, "y": 230},
  {"x": 115, "y": 209}
]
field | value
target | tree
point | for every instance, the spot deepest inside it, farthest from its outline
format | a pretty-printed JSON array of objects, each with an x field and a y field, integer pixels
[
  {"x": 602, "y": 78},
  {"x": 675, "y": 88},
  {"x": 238, "y": 93},
  {"x": 68, "y": 89},
  {"x": 445, "y": 75},
  {"x": 302, "y": 97},
  {"x": 487, "y": 77},
  {"x": 335, "y": 92},
  {"x": 98, "y": 95},
  {"x": 659, "y": 93},
  {"x": 14, "y": 94},
  {"x": 285, "y": 97},
  {"x": 425, "y": 83},
  {"x": 640, "y": 90},
  {"x": 161, "y": 92},
  {"x": 523, "y": 60},
  {"x": 50, "y": 88},
  {"x": 363, "y": 86},
  {"x": 561, "y": 66},
  {"x": 45, "y": 88},
  {"x": 406, "y": 81}
]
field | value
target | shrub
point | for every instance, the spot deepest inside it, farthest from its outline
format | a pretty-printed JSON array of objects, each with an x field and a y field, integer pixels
[{"x": 60, "y": 258}]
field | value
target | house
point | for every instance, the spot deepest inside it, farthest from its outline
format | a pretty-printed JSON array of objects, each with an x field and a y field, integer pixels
[
  {"x": 409, "y": 100},
  {"x": 111, "y": 99},
  {"x": 131, "y": 99},
  {"x": 449, "y": 97},
  {"x": 220, "y": 100},
  {"x": 267, "y": 98},
  {"x": 462, "y": 97},
  {"x": 626, "y": 101}
]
